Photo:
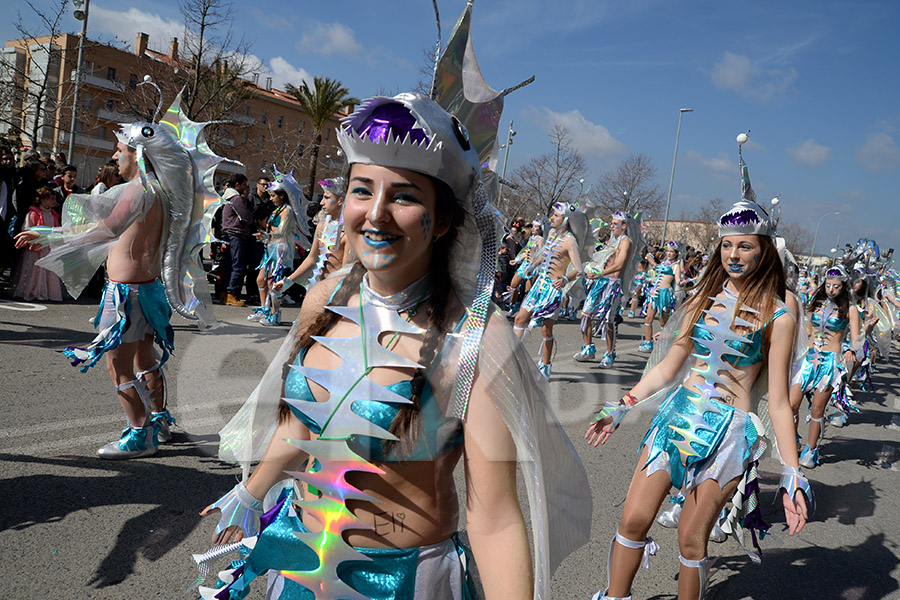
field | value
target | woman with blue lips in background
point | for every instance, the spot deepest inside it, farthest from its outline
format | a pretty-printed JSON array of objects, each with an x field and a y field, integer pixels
[{"x": 831, "y": 315}]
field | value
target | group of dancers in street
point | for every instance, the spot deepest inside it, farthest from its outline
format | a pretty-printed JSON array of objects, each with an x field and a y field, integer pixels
[{"x": 399, "y": 366}]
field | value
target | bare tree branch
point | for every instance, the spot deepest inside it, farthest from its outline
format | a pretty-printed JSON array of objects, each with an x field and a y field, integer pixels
[
  {"x": 552, "y": 177},
  {"x": 630, "y": 188}
]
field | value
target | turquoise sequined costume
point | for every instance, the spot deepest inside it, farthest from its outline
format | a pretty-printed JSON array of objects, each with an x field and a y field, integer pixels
[{"x": 127, "y": 313}]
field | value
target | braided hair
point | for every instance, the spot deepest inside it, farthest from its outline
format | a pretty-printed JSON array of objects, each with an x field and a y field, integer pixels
[{"x": 405, "y": 425}]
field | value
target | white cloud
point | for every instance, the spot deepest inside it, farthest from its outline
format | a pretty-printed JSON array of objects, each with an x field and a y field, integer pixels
[
  {"x": 718, "y": 165},
  {"x": 879, "y": 153},
  {"x": 279, "y": 69},
  {"x": 328, "y": 39},
  {"x": 588, "y": 138},
  {"x": 738, "y": 73},
  {"x": 126, "y": 25},
  {"x": 810, "y": 153},
  {"x": 284, "y": 73}
]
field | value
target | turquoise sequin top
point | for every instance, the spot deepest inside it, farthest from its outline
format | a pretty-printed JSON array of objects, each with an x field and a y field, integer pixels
[
  {"x": 439, "y": 434},
  {"x": 753, "y": 350},
  {"x": 833, "y": 323}
]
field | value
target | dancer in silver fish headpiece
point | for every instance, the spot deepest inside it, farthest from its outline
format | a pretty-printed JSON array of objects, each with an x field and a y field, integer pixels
[
  {"x": 149, "y": 231},
  {"x": 825, "y": 366},
  {"x": 707, "y": 367},
  {"x": 557, "y": 266},
  {"x": 606, "y": 272},
  {"x": 328, "y": 252},
  {"x": 285, "y": 228},
  {"x": 395, "y": 369}
]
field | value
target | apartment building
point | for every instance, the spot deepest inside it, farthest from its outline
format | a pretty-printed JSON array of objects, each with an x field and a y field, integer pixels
[{"x": 268, "y": 127}]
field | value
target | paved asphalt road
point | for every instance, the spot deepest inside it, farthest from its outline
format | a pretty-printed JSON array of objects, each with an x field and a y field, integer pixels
[{"x": 72, "y": 526}]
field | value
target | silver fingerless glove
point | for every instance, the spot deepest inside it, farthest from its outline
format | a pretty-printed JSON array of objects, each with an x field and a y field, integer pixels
[{"x": 239, "y": 507}]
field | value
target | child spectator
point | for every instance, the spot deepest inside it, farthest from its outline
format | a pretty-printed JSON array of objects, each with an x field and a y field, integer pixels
[{"x": 33, "y": 282}]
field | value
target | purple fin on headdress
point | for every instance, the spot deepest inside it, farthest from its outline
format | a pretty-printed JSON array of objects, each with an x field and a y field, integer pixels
[{"x": 393, "y": 119}]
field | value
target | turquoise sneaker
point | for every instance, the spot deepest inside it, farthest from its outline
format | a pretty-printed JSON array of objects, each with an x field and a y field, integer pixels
[{"x": 136, "y": 442}]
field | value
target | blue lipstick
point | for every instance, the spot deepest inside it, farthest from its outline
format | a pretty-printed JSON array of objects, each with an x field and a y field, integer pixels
[{"x": 379, "y": 243}]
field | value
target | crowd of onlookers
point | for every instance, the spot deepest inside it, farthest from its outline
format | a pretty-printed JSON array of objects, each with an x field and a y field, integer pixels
[
  {"x": 34, "y": 192},
  {"x": 238, "y": 251}
]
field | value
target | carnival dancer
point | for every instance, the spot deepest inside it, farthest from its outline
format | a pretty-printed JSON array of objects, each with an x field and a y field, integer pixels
[
  {"x": 661, "y": 296},
  {"x": 638, "y": 287},
  {"x": 283, "y": 229},
  {"x": 149, "y": 232},
  {"x": 864, "y": 360},
  {"x": 524, "y": 275},
  {"x": 823, "y": 369},
  {"x": 606, "y": 271},
  {"x": 703, "y": 437},
  {"x": 557, "y": 267},
  {"x": 328, "y": 252},
  {"x": 376, "y": 340}
]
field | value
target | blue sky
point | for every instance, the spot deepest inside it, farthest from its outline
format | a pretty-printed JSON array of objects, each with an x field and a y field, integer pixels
[{"x": 817, "y": 83}]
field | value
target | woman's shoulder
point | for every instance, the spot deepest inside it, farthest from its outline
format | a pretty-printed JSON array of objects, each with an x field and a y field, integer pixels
[{"x": 318, "y": 296}]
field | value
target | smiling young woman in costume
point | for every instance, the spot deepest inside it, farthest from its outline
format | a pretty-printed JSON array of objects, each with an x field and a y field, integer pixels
[{"x": 703, "y": 437}]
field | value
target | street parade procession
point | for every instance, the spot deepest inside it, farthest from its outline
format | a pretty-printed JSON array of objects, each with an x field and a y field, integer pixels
[{"x": 390, "y": 370}]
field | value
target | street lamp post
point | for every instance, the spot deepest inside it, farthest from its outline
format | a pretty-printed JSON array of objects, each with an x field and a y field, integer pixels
[
  {"x": 672, "y": 177},
  {"x": 81, "y": 15},
  {"x": 509, "y": 140},
  {"x": 816, "y": 236}
]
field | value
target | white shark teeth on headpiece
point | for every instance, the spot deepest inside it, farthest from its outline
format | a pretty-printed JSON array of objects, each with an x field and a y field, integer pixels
[{"x": 424, "y": 157}]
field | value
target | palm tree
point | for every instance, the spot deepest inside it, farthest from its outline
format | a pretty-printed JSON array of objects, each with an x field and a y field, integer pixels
[{"x": 326, "y": 97}]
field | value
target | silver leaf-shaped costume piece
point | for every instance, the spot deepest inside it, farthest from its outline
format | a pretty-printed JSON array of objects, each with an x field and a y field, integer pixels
[
  {"x": 345, "y": 385},
  {"x": 190, "y": 189}
]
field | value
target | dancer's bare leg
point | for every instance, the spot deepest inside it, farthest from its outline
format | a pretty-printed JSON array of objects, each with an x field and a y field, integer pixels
[
  {"x": 702, "y": 506},
  {"x": 645, "y": 496}
]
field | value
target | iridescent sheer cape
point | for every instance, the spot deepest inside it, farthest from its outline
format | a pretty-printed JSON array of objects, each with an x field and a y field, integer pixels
[
  {"x": 90, "y": 225},
  {"x": 558, "y": 490}
]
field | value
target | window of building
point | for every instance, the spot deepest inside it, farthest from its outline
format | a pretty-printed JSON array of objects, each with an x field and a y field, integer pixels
[
  {"x": 300, "y": 129},
  {"x": 132, "y": 81},
  {"x": 110, "y": 73},
  {"x": 300, "y": 149},
  {"x": 283, "y": 146},
  {"x": 265, "y": 117},
  {"x": 280, "y": 121},
  {"x": 110, "y": 104},
  {"x": 327, "y": 133},
  {"x": 246, "y": 111},
  {"x": 262, "y": 141},
  {"x": 244, "y": 138},
  {"x": 86, "y": 103}
]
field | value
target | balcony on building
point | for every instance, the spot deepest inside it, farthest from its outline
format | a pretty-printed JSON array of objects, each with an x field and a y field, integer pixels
[{"x": 88, "y": 141}]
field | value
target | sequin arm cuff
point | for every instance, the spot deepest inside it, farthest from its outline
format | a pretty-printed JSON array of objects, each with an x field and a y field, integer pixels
[
  {"x": 616, "y": 410},
  {"x": 793, "y": 479},
  {"x": 239, "y": 507}
]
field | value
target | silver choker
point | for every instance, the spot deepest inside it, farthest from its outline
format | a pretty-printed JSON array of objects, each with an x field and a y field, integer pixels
[{"x": 403, "y": 300}]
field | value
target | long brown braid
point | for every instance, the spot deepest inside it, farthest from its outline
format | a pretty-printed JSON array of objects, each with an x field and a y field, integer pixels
[{"x": 405, "y": 425}]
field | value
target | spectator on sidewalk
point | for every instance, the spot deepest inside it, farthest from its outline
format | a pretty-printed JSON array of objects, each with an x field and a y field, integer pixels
[
  {"x": 69, "y": 175},
  {"x": 239, "y": 226}
]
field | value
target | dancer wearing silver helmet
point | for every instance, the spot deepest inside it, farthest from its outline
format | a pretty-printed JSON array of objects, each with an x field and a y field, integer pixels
[
  {"x": 149, "y": 232},
  {"x": 704, "y": 437}
]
